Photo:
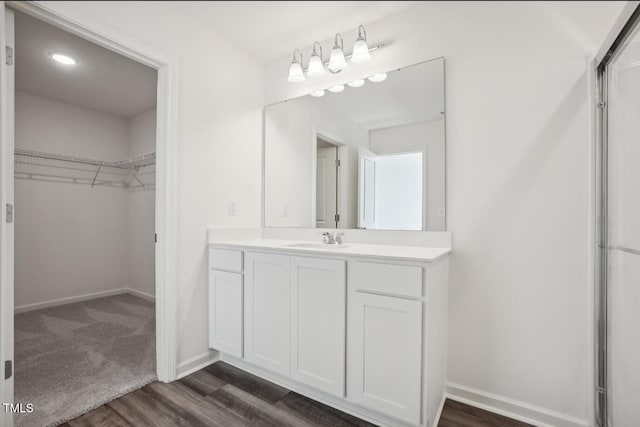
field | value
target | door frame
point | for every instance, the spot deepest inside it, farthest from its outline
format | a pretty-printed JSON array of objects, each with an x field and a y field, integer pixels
[
  {"x": 342, "y": 171},
  {"x": 626, "y": 23},
  {"x": 166, "y": 165},
  {"x": 6, "y": 229}
]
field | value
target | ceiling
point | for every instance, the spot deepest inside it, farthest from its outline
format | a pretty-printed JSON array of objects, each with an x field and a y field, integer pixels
[
  {"x": 268, "y": 30},
  {"x": 101, "y": 80},
  {"x": 409, "y": 95}
]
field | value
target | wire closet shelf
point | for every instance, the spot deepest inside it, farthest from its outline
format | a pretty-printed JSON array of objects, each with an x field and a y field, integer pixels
[{"x": 136, "y": 173}]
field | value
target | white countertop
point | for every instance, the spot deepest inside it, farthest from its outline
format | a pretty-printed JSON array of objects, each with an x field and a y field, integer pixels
[{"x": 408, "y": 253}]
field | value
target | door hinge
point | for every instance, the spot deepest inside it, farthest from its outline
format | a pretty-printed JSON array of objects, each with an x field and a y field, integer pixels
[
  {"x": 337, "y": 163},
  {"x": 9, "y": 213},
  {"x": 337, "y": 217},
  {"x": 8, "y": 369},
  {"x": 155, "y": 239},
  {"x": 9, "y": 52},
  {"x": 600, "y": 105}
]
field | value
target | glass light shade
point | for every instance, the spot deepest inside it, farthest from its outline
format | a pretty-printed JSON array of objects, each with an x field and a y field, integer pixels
[
  {"x": 317, "y": 93},
  {"x": 316, "y": 68},
  {"x": 377, "y": 78},
  {"x": 337, "y": 62},
  {"x": 295, "y": 73},
  {"x": 336, "y": 89},
  {"x": 360, "y": 53},
  {"x": 356, "y": 83}
]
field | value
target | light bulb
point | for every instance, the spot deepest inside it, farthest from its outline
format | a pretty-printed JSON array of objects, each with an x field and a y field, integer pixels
[
  {"x": 63, "y": 59},
  {"x": 317, "y": 93},
  {"x": 295, "y": 73},
  {"x": 361, "y": 53},
  {"x": 337, "y": 62},
  {"x": 316, "y": 67},
  {"x": 377, "y": 78},
  {"x": 336, "y": 89},
  {"x": 356, "y": 83}
]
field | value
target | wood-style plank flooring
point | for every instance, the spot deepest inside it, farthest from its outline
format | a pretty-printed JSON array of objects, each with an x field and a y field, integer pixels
[{"x": 221, "y": 395}]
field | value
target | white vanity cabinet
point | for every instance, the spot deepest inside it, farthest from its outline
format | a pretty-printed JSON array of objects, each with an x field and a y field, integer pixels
[
  {"x": 225, "y": 301},
  {"x": 385, "y": 338},
  {"x": 266, "y": 308},
  {"x": 363, "y": 333},
  {"x": 318, "y": 323}
]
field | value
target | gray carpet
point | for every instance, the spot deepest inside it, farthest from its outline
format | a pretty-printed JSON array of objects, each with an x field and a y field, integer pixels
[{"x": 72, "y": 358}]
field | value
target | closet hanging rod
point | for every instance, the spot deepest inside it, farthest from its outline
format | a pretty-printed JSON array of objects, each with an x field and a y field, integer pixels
[{"x": 138, "y": 161}]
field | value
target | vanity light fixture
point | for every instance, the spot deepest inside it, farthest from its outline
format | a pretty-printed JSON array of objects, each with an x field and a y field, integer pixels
[
  {"x": 337, "y": 61},
  {"x": 296, "y": 74},
  {"x": 356, "y": 83},
  {"x": 316, "y": 67},
  {"x": 377, "y": 78},
  {"x": 63, "y": 59},
  {"x": 361, "y": 53},
  {"x": 317, "y": 93},
  {"x": 336, "y": 89}
]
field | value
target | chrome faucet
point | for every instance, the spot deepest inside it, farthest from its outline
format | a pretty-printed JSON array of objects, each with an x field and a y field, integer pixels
[{"x": 332, "y": 238}]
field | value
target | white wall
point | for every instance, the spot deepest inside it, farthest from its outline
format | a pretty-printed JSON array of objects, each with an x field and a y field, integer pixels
[
  {"x": 141, "y": 134},
  {"x": 517, "y": 184},
  {"x": 417, "y": 136},
  {"x": 73, "y": 240},
  {"x": 290, "y": 153},
  {"x": 220, "y": 100},
  {"x": 70, "y": 239}
]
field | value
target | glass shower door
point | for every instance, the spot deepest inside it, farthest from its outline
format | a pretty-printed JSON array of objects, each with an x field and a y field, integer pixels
[{"x": 621, "y": 233}]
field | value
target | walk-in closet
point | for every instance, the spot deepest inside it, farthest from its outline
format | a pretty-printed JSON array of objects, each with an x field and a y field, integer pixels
[{"x": 85, "y": 142}]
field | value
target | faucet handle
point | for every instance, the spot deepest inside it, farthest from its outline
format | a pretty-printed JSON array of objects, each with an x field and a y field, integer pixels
[
  {"x": 325, "y": 237},
  {"x": 338, "y": 238}
]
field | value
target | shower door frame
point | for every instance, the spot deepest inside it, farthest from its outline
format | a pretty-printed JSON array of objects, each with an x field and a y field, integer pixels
[{"x": 628, "y": 21}]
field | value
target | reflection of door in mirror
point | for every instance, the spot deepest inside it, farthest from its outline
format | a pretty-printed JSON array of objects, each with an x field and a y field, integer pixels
[
  {"x": 367, "y": 189},
  {"x": 391, "y": 190},
  {"x": 327, "y": 164}
]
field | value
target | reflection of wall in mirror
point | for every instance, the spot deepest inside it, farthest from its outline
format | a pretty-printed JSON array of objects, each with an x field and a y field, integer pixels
[
  {"x": 291, "y": 156},
  {"x": 417, "y": 137}
]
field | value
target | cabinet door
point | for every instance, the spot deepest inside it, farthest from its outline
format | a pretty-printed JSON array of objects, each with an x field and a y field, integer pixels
[
  {"x": 385, "y": 349},
  {"x": 266, "y": 307},
  {"x": 318, "y": 323},
  {"x": 225, "y": 312}
]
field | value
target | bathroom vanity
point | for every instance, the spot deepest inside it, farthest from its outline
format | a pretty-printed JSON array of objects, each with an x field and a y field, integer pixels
[{"x": 360, "y": 327}]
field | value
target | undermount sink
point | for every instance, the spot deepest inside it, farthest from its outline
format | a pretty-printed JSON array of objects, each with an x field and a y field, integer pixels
[{"x": 317, "y": 246}]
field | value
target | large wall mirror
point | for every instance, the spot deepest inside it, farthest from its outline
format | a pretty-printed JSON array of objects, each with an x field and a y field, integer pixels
[{"x": 371, "y": 156}]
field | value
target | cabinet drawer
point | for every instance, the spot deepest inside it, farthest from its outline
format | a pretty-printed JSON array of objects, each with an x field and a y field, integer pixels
[
  {"x": 225, "y": 259},
  {"x": 392, "y": 279}
]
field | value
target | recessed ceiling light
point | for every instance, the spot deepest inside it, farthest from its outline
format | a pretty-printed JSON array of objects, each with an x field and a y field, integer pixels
[
  {"x": 63, "y": 59},
  {"x": 336, "y": 89},
  {"x": 317, "y": 93},
  {"x": 377, "y": 78},
  {"x": 356, "y": 83}
]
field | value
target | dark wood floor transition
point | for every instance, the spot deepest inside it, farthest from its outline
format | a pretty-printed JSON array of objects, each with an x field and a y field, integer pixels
[{"x": 221, "y": 395}]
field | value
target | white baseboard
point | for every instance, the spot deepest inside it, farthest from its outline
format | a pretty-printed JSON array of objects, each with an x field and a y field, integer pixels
[
  {"x": 440, "y": 409},
  {"x": 194, "y": 364},
  {"x": 512, "y": 408},
  {"x": 79, "y": 298},
  {"x": 141, "y": 294}
]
